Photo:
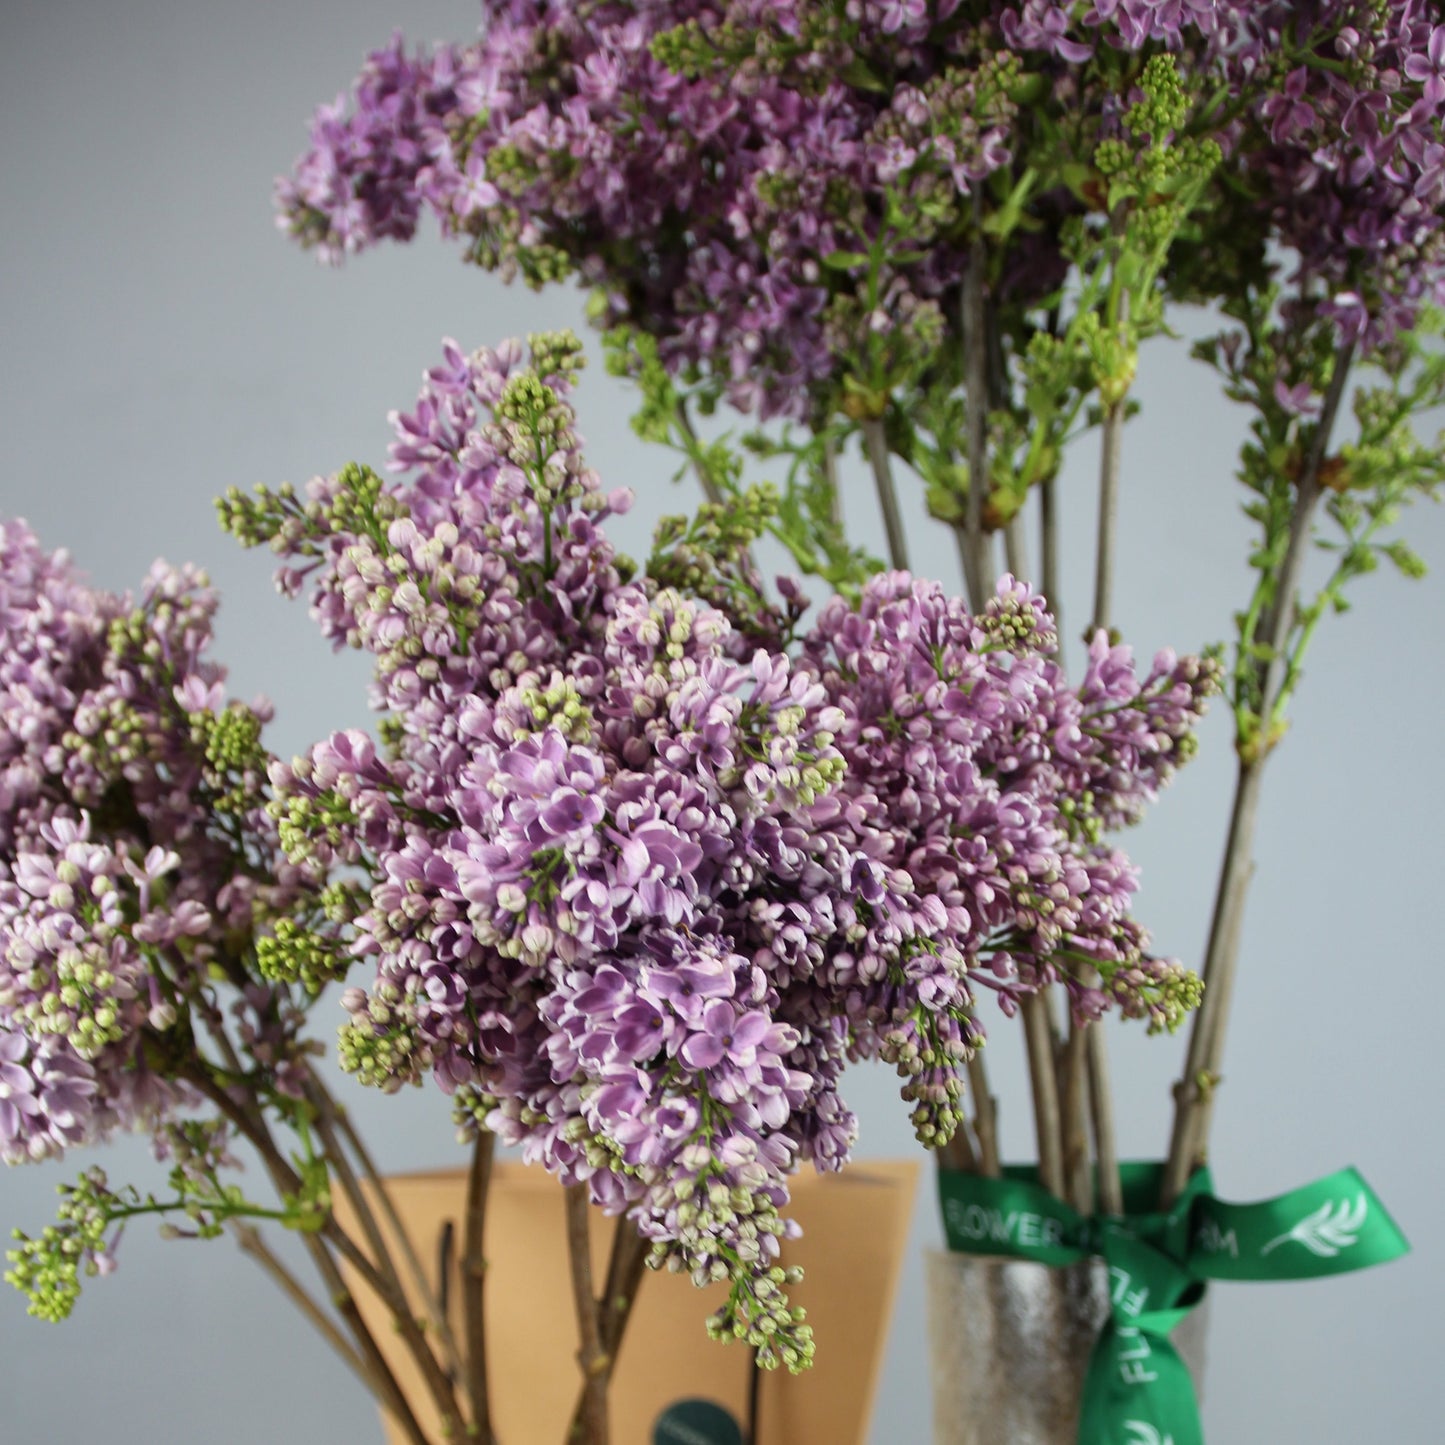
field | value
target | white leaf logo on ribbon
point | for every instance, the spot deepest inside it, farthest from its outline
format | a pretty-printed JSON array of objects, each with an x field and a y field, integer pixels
[
  {"x": 1333, "y": 1227},
  {"x": 1141, "y": 1432}
]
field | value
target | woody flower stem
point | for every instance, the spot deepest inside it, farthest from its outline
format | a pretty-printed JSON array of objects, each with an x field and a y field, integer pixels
[
  {"x": 1038, "y": 1037},
  {"x": 1193, "y": 1093},
  {"x": 345, "y": 1176},
  {"x": 1016, "y": 549},
  {"x": 985, "y": 1119},
  {"x": 398, "y": 1229},
  {"x": 624, "y": 1279},
  {"x": 1087, "y": 1070},
  {"x": 590, "y": 1427},
  {"x": 1049, "y": 547},
  {"x": 974, "y": 544},
  {"x": 693, "y": 447},
  {"x": 250, "y": 1241},
  {"x": 250, "y": 1124},
  {"x": 1038, "y": 1030},
  {"x": 474, "y": 1273},
  {"x": 973, "y": 551},
  {"x": 830, "y": 474},
  {"x": 877, "y": 448}
]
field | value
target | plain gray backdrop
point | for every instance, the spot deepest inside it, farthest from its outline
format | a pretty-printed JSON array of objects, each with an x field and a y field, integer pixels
[{"x": 159, "y": 341}]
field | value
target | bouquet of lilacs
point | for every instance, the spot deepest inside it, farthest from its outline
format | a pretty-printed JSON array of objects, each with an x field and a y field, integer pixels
[
  {"x": 944, "y": 228},
  {"x": 641, "y": 857},
  {"x": 637, "y": 867}
]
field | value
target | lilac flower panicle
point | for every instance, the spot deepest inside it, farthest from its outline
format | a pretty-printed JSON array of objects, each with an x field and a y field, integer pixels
[
  {"x": 135, "y": 853},
  {"x": 638, "y": 892},
  {"x": 700, "y": 163}
]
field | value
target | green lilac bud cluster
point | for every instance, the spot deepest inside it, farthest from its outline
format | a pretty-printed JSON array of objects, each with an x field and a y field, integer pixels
[
  {"x": 931, "y": 1067},
  {"x": 75, "y": 1000},
  {"x": 1011, "y": 625},
  {"x": 1079, "y": 818},
  {"x": 707, "y": 555},
  {"x": 48, "y": 1269},
  {"x": 630, "y": 352},
  {"x": 556, "y": 353},
  {"x": 533, "y": 428},
  {"x": 559, "y": 705},
  {"x": 295, "y": 954},
  {"x": 236, "y": 763},
  {"x": 356, "y": 502},
  {"x": 380, "y": 1045},
  {"x": 758, "y": 1313},
  {"x": 110, "y": 736},
  {"x": 303, "y": 820},
  {"x": 471, "y": 1106}
]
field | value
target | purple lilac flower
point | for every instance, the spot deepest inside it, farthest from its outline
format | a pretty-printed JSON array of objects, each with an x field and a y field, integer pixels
[
  {"x": 637, "y": 894},
  {"x": 705, "y": 200},
  {"x": 120, "y": 889}
]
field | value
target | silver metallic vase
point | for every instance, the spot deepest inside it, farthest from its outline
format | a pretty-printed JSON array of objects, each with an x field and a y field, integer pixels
[{"x": 1010, "y": 1341}]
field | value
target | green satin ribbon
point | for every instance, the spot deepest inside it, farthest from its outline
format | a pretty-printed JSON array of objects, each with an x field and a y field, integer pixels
[{"x": 1137, "y": 1390}]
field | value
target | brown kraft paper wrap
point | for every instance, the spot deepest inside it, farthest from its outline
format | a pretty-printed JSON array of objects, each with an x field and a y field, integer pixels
[{"x": 855, "y": 1227}]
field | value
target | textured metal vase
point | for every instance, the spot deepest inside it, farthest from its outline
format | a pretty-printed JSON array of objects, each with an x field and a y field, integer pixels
[{"x": 1010, "y": 1341}]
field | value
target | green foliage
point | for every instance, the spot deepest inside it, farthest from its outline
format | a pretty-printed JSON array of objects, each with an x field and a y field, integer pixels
[
  {"x": 49, "y": 1268},
  {"x": 1286, "y": 378},
  {"x": 808, "y": 523}
]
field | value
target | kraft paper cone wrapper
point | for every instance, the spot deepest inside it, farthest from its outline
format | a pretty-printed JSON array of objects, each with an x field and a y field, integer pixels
[{"x": 855, "y": 1226}]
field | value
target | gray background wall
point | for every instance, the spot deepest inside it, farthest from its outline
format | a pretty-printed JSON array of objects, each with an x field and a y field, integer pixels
[{"x": 159, "y": 342}]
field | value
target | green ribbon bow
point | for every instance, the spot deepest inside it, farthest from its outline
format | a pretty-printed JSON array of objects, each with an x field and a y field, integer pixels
[{"x": 1137, "y": 1391}]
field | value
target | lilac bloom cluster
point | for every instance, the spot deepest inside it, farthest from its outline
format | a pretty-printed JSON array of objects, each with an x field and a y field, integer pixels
[
  {"x": 977, "y": 773},
  {"x": 776, "y": 190},
  {"x": 639, "y": 892},
  {"x": 134, "y": 850}
]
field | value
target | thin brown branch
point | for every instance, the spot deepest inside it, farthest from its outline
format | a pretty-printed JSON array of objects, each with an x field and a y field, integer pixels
[
  {"x": 1073, "y": 1118},
  {"x": 252, "y": 1127},
  {"x": 251, "y": 1243},
  {"x": 1196, "y": 1146},
  {"x": 1187, "y": 1145},
  {"x": 342, "y": 1172},
  {"x": 474, "y": 1274},
  {"x": 1111, "y": 454},
  {"x": 705, "y": 479},
  {"x": 437, "y": 1381},
  {"x": 1015, "y": 548},
  {"x": 1086, "y": 1067},
  {"x": 429, "y": 1296},
  {"x": 626, "y": 1267},
  {"x": 876, "y": 445},
  {"x": 1038, "y": 1039},
  {"x": 288, "y": 1182},
  {"x": 386, "y": 1388},
  {"x": 1049, "y": 545},
  {"x": 965, "y": 564},
  {"x": 1101, "y": 1113},
  {"x": 1193, "y": 1093},
  {"x": 959, "y": 1152},
  {"x": 985, "y": 1119},
  {"x": 830, "y": 474},
  {"x": 975, "y": 381},
  {"x": 591, "y": 1426}
]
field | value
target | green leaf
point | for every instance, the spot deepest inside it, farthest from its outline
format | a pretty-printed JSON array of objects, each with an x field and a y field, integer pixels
[{"x": 844, "y": 260}]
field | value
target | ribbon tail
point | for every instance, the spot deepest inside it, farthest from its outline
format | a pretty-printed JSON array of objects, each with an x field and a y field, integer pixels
[{"x": 1137, "y": 1391}]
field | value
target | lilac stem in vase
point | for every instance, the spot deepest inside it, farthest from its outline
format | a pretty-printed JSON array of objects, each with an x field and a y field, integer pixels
[
  {"x": 590, "y": 1425},
  {"x": 1193, "y": 1092},
  {"x": 876, "y": 445},
  {"x": 474, "y": 1273},
  {"x": 625, "y": 1271}
]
